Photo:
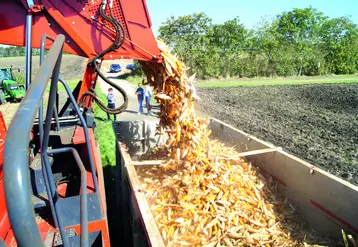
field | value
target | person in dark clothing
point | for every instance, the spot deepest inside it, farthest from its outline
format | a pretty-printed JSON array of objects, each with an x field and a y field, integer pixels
[
  {"x": 140, "y": 95},
  {"x": 111, "y": 102}
]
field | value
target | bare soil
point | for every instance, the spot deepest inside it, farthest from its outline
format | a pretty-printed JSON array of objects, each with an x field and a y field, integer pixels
[
  {"x": 318, "y": 123},
  {"x": 8, "y": 110},
  {"x": 72, "y": 67}
]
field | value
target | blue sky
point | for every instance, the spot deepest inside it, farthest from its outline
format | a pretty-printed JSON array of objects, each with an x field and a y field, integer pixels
[{"x": 250, "y": 12}]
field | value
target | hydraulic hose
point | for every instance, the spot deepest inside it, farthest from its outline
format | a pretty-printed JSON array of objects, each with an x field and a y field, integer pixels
[
  {"x": 119, "y": 25},
  {"x": 119, "y": 40}
]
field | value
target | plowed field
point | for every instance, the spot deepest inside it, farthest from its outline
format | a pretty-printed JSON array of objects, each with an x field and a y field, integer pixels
[{"x": 318, "y": 123}]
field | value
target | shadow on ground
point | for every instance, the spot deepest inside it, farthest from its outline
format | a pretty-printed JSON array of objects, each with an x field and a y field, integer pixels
[
  {"x": 130, "y": 111},
  {"x": 112, "y": 210},
  {"x": 100, "y": 119}
]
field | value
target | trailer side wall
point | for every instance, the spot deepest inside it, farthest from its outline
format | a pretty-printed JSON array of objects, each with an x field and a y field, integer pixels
[{"x": 326, "y": 202}]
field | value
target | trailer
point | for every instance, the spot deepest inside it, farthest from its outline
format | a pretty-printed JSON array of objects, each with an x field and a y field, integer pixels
[{"x": 325, "y": 202}]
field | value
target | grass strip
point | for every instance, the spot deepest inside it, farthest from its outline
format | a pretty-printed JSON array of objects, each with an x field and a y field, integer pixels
[
  {"x": 275, "y": 82},
  {"x": 104, "y": 133}
]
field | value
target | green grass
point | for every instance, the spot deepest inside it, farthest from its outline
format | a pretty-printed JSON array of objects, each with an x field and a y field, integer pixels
[
  {"x": 105, "y": 136},
  {"x": 133, "y": 79},
  {"x": 278, "y": 81},
  {"x": 104, "y": 133}
]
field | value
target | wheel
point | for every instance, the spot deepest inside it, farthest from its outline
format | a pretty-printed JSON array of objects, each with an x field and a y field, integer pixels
[{"x": 2, "y": 97}]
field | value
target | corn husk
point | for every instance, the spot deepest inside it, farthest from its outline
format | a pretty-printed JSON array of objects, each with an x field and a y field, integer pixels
[{"x": 200, "y": 200}]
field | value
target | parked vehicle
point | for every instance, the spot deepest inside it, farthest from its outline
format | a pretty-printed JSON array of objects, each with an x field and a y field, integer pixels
[
  {"x": 9, "y": 88},
  {"x": 130, "y": 66},
  {"x": 115, "y": 68}
]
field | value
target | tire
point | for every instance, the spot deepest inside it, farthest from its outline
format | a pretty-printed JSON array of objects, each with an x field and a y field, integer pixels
[{"x": 2, "y": 97}]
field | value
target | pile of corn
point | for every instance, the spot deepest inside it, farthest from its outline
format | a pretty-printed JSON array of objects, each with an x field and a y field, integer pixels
[{"x": 198, "y": 199}]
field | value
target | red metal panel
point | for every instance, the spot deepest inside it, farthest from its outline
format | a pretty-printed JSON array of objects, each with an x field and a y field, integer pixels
[
  {"x": 94, "y": 226},
  {"x": 85, "y": 32},
  {"x": 88, "y": 82},
  {"x": 86, "y": 35},
  {"x": 4, "y": 220},
  {"x": 2, "y": 142},
  {"x": 69, "y": 25},
  {"x": 79, "y": 136},
  {"x": 12, "y": 27}
]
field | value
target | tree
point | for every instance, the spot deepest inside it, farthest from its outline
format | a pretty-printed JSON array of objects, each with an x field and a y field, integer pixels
[
  {"x": 231, "y": 40},
  {"x": 297, "y": 42},
  {"x": 340, "y": 43},
  {"x": 187, "y": 35},
  {"x": 301, "y": 28}
]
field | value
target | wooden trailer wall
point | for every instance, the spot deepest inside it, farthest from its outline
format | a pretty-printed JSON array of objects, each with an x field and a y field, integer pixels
[{"x": 138, "y": 227}]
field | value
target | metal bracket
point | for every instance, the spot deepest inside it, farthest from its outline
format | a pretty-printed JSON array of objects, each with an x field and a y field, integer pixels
[
  {"x": 36, "y": 8},
  {"x": 58, "y": 239}
]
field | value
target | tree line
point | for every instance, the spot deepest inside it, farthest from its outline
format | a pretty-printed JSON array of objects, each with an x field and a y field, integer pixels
[
  {"x": 294, "y": 43},
  {"x": 16, "y": 51}
]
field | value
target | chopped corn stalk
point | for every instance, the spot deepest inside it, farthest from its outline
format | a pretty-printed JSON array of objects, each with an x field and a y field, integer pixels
[{"x": 198, "y": 199}]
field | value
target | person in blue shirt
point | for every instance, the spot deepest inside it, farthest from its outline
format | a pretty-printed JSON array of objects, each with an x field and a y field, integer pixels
[
  {"x": 111, "y": 102},
  {"x": 148, "y": 97},
  {"x": 140, "y": 95}
]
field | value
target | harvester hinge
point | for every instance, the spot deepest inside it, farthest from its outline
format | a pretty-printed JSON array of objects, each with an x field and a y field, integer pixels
[
  {"x": 32, "y": 6},
  {"x": 36, "y": 8}
]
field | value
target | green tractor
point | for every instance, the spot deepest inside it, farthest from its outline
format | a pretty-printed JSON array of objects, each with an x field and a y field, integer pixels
[{"x": 9, "y": 88}]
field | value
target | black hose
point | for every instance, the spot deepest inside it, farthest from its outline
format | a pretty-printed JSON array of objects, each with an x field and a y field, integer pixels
[{"x": 119, "y": 40}]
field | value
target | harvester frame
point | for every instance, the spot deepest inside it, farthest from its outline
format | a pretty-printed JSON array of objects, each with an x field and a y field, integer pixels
[
  {"x": 54, "y": 185},
  {"x": 57, "y": 196}
]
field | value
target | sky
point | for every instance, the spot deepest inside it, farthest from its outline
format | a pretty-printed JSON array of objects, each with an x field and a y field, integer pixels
[{"x": 249, "y": 12}]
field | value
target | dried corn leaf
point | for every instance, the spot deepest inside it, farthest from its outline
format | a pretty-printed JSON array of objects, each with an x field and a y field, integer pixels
[{"x": 198, "y": 199}]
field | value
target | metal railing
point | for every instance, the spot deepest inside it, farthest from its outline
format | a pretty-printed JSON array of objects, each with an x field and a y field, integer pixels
[
  {"x": 85, "y": 130},
  {"x": 83, "y": 199},
  {"x": 41, "y": 112},
  {"x": 16, "y": 155}
]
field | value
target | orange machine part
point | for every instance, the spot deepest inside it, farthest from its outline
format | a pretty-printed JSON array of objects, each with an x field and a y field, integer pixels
[
  {"x": 4, "y": 220},
  {"x": 86, "y": 33}
]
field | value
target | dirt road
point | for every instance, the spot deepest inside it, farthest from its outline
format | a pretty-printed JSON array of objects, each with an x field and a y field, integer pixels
[{"x": 132, "y": 110}]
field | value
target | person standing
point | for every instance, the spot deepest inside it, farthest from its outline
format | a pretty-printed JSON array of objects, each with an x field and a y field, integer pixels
[
  {"x": 111, "y": 103},
  {"x": 148, "y": 97},
  {"x": 140, "y": 95}
]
